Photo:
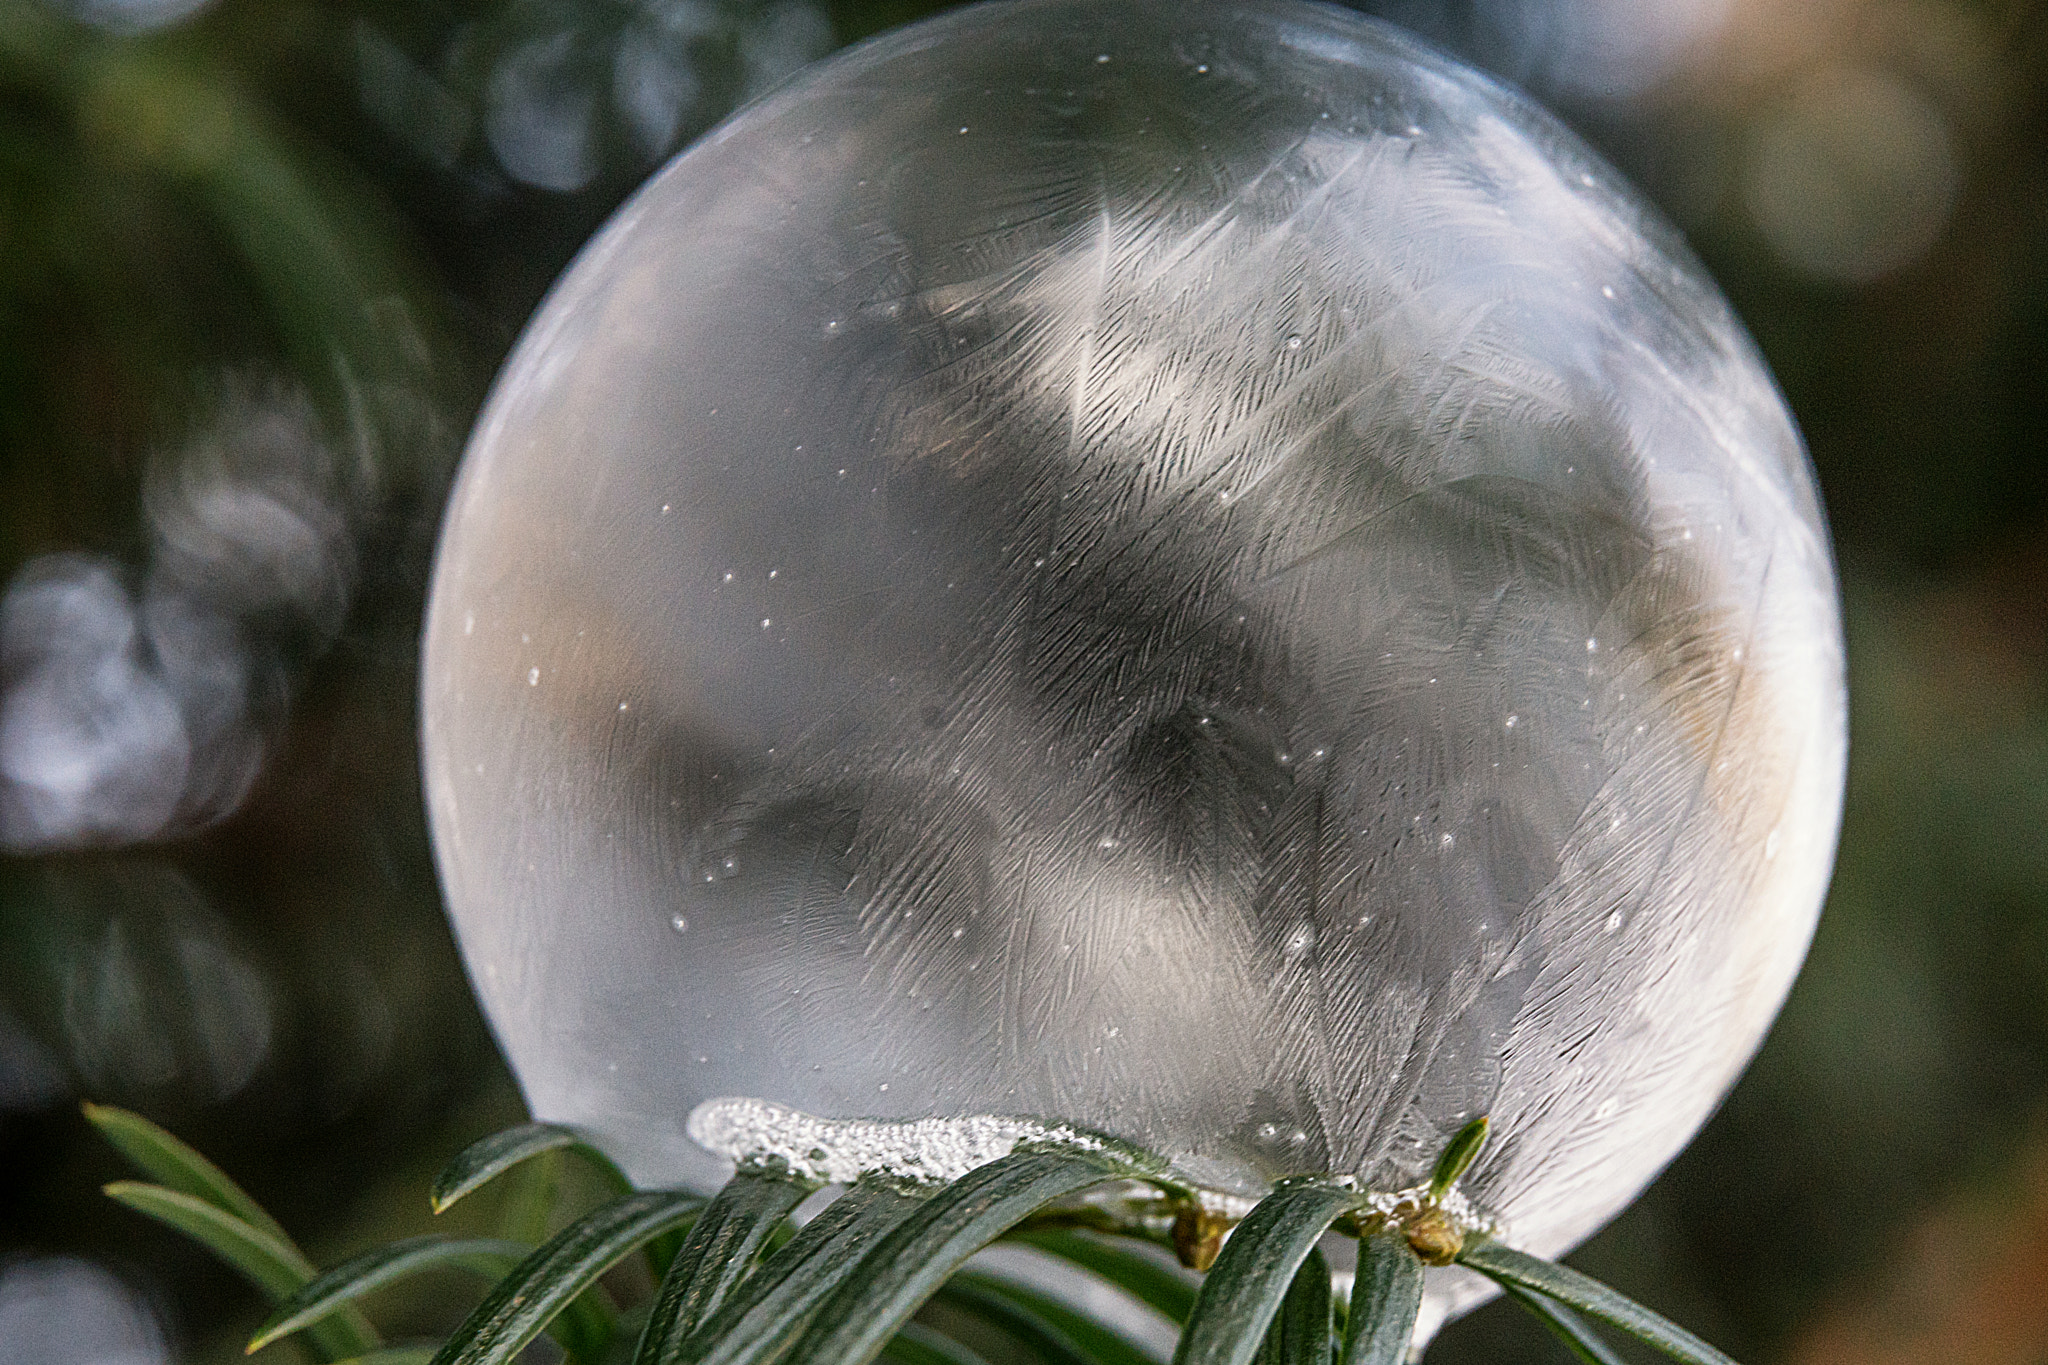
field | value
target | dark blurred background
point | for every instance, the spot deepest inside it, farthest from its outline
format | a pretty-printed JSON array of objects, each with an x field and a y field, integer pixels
[{"x": 258, "y": 261}]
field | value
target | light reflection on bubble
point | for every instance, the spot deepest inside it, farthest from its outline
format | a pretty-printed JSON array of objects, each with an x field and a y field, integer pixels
[
  {"x": 1598, "y": 49},
  {"x": 31, "y": 1075},
  {"x": 128, "y": 712},
  {"x": 566, "y": 91},
  {"x": 540, "y": 111},
  {"x": 59, "y": 1310},
  {"x": 92, "y": 745},
  {"x": 1852, "y": 177},
  {"x": 152, "y": 989},
  {"x": 406, "y": 101},
  {"x": 133, "y": 16},
  {"x": 785, "y": 37}
]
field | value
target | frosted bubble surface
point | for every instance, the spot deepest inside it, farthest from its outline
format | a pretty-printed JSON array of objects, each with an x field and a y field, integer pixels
[{"x": 1254, "y": 601}]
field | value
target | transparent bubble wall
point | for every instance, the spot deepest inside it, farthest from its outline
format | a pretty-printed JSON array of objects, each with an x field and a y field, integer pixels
[{"x": 1192, "y": 568}]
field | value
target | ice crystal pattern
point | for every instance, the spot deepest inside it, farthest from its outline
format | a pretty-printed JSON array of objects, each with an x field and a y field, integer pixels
[{"x": 1193, "y": 570}]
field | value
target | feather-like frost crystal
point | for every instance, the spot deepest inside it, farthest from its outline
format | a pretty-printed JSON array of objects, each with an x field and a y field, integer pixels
[{"x": 1197, "y": 570}]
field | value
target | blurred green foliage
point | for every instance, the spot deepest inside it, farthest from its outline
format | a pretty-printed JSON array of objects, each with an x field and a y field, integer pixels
[{"x": 280, "y": 246}]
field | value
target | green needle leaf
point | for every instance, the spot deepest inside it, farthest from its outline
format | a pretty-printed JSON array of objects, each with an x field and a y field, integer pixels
[
  {"x": 1040, "y": 1338},
  {"x": 719, "y": 1250},
  {"x": 1097, "y": 1343},
  {"x": 1510, "y": 1267},
  {"x": 1258, "y": 1264},
  {"x": 774, "y": 1303},
  {"x": 545, "y": 1283},
  {"x": 485, "y": 1160},
  {"x": 1385, "y": 1298},
  {"x": 1138, "y": 1275},
  {"x": 393, "y": 1355},
  {"x": 374, "y": 1269},
  {"x": 1300, "y": 1334},
  {"x": 173, "y": 1164},
  {"x": 906, "y": 1266},
  {"x": 916, "y": 1344},
  {"x": 1567, "y": 1326},
  {"x": 1457, "y": 1158},
  {"x": 492, "y": 1157},
  {"x": 274, "y": 1266}
]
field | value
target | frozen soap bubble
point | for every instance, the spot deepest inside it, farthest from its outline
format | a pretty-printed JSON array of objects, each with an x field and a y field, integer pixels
[{"x": 1196, "y": 570}]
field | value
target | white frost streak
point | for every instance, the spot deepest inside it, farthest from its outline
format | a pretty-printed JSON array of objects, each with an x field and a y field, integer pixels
[{"x": 841, "y": 1151}]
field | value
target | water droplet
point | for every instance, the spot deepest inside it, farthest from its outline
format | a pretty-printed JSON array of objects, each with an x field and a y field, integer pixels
[
  {"x": 1101, "y": 57},
  {"x": 1512, "y": 722},
  {"x": 766, "y": 622},
  {"x": 832, "y": 327},
  {"x": 678, "y": 923},
  {"x": 469, "y": 623},
  {"x": 533, "y": 677},
  {"x": 1294, "y": 343},
  {"x": 1606, "y": 291}
]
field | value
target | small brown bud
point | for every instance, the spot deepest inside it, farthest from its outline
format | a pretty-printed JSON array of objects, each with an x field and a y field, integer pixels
[
  {"x": 1198, "y": 1235},
  {"x": 1434, "y": 1238}
]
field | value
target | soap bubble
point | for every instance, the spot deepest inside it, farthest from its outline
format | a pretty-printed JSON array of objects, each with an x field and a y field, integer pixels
[{"x": 1193, "y": 570}]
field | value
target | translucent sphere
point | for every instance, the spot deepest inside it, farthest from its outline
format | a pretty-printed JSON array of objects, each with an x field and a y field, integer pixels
[{"x": 1196, "y": 569}]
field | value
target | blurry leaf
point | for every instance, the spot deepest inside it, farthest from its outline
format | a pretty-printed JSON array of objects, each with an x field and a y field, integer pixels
[
  {"x": 546, "y": 1282},
  {"x": 529, "y": 1207},
  {"x": 1138, "y": 1275},
  {"x": 775, "y": 1303},
  {"x": 1095, "y": 1341},
  {"x": 719, "y": 1250},
  {"x": 916, "y": 1344},
  {"x": 1566, "y": 1326},
  {"x": 180, "y": 1168},
  {"x": 385, "y": 1265},
  {"x": 1244, "y": 1289},
  {"x": 1510, "y": 1267},
  {"x": 394, "y": 1355},
  {"x": 1386, "y": 1295},
  {"x": 975, "y": 1298},
  {"x": 916, "y": 1257},
  {"x": 483, "y": 1161},
  {"x": 273, "y": 1266},
  {"x": 1300, "y": 1334},
  {"x": 1457, "y": 1158}
]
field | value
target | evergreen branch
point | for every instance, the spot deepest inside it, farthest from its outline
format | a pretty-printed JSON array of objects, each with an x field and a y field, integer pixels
[
  {"x": 719, "y": 1250},
  {"x": 372, "y": 1270},
  {"x": 1507, "y": 1266},
  {"x": 1244, "y": 1289},
  {"x": 913, "y": 1260},
  {"x": 1386, "y": 1296}
]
